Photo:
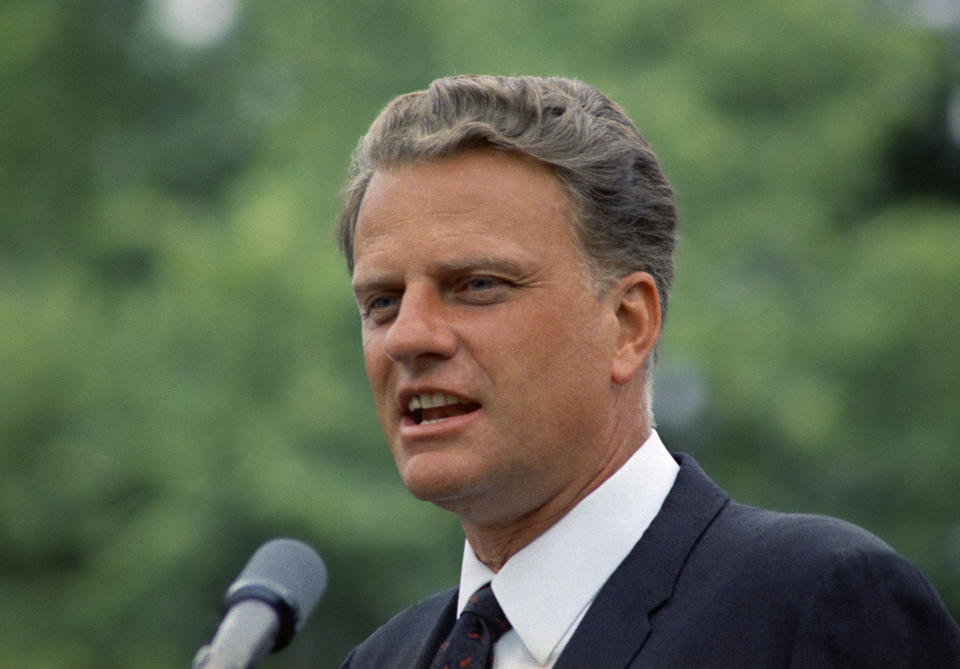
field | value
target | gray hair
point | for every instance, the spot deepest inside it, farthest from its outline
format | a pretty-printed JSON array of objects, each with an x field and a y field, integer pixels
[{"x": 626, "y": 215}]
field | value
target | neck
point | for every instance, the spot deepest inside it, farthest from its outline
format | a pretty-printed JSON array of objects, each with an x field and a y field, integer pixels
[{"x": 495, "y": 543}]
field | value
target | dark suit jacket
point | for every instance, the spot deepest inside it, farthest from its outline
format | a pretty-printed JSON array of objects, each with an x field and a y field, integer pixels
[{"x": 714, "y": 583}]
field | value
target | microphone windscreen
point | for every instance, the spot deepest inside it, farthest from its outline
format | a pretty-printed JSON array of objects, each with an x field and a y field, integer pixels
[{"x": 287, "y": 574}]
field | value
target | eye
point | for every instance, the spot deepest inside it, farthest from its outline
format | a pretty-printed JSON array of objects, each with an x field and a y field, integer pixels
[
  {"x": 380, "y": 307},
  {"x": 476, "y": 283},
  {"x": 482, "y": 289},
  {"x": 383, "y": 302}
]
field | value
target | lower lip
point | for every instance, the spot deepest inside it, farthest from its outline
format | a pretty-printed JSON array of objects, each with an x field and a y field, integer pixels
[{"x": 410, "y": 430}]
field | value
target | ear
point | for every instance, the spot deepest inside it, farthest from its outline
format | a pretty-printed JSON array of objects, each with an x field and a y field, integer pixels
[{"x": 637, "y": 305}]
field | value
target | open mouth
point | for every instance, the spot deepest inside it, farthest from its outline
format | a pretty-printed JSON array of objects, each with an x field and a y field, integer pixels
[{"x": 434, "y": 407}]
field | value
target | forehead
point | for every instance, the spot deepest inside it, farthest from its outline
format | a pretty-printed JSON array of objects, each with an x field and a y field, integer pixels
[{"x": 478, "y": 196}]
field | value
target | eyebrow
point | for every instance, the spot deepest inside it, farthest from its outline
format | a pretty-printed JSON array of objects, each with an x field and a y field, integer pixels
[{"x": 479, "y": 263}]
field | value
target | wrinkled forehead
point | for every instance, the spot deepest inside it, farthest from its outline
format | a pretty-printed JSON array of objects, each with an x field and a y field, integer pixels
[
  {"x": 460, "y": 185},
  {"x": 463, "y": 206}
]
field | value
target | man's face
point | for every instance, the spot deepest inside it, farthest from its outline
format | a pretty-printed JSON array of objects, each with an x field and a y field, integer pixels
[{"x": 487, "y": 348}]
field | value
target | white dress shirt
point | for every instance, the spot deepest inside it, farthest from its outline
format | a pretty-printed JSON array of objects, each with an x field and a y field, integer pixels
[{"x": 546, "y": 588}]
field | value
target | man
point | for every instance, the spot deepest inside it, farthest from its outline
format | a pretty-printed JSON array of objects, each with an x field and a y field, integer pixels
[{"x": 511, "y": 244}]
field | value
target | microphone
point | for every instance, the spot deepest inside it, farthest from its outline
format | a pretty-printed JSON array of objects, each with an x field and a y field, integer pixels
[{"x": 266, "y": 605}]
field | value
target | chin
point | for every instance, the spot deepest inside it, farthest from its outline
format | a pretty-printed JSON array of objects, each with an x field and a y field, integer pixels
[
  {"x": 432, "y": 482},
  {"x": 436, "y": 489}
]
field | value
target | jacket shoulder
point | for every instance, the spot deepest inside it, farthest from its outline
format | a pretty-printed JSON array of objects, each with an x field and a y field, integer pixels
[
  {"x": 798, "y": 537},
  {"x": 834, "y": 592},
  {"x": 797, "y": 557}
]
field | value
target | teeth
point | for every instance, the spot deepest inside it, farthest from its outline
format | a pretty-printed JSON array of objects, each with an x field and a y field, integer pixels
[{"x": 431, "y": 401}]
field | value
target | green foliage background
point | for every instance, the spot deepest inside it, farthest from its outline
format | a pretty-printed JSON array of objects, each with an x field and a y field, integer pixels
[{"x": 180, "y": 375}]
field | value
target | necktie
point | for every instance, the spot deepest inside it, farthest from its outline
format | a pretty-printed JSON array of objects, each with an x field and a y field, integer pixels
[{"x": 470, "y": 644}]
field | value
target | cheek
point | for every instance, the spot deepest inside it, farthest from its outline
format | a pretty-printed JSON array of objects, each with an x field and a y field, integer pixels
[
  {"x": 570, "y": 381},
  {"x": 544, "y": 375},
  {"x": 377, "y": 367},
  {"x": 373, "y": 357}
]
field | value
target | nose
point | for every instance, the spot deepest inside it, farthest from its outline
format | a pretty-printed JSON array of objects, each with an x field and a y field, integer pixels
[{"x": 420, "y": 329}]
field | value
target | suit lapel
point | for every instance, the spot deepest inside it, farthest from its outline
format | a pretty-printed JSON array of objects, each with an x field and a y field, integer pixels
[
  {"x": 438, "y": 633},
  {"x": 618, "y": 622}
]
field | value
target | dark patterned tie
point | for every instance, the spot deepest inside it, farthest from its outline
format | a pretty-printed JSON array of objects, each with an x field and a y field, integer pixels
[{"x": 470, "y": 644}]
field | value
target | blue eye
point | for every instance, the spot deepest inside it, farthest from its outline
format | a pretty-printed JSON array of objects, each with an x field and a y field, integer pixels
[
  {"x": 383, "y": 302},
  {"x": 481, "y": 290},
  {"x": 381, "y": 307},
  {"x": 481, "y": 283}
]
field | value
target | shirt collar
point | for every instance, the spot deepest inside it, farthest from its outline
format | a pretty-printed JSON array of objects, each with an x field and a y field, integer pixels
[{"x": 562, "y": 570}]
